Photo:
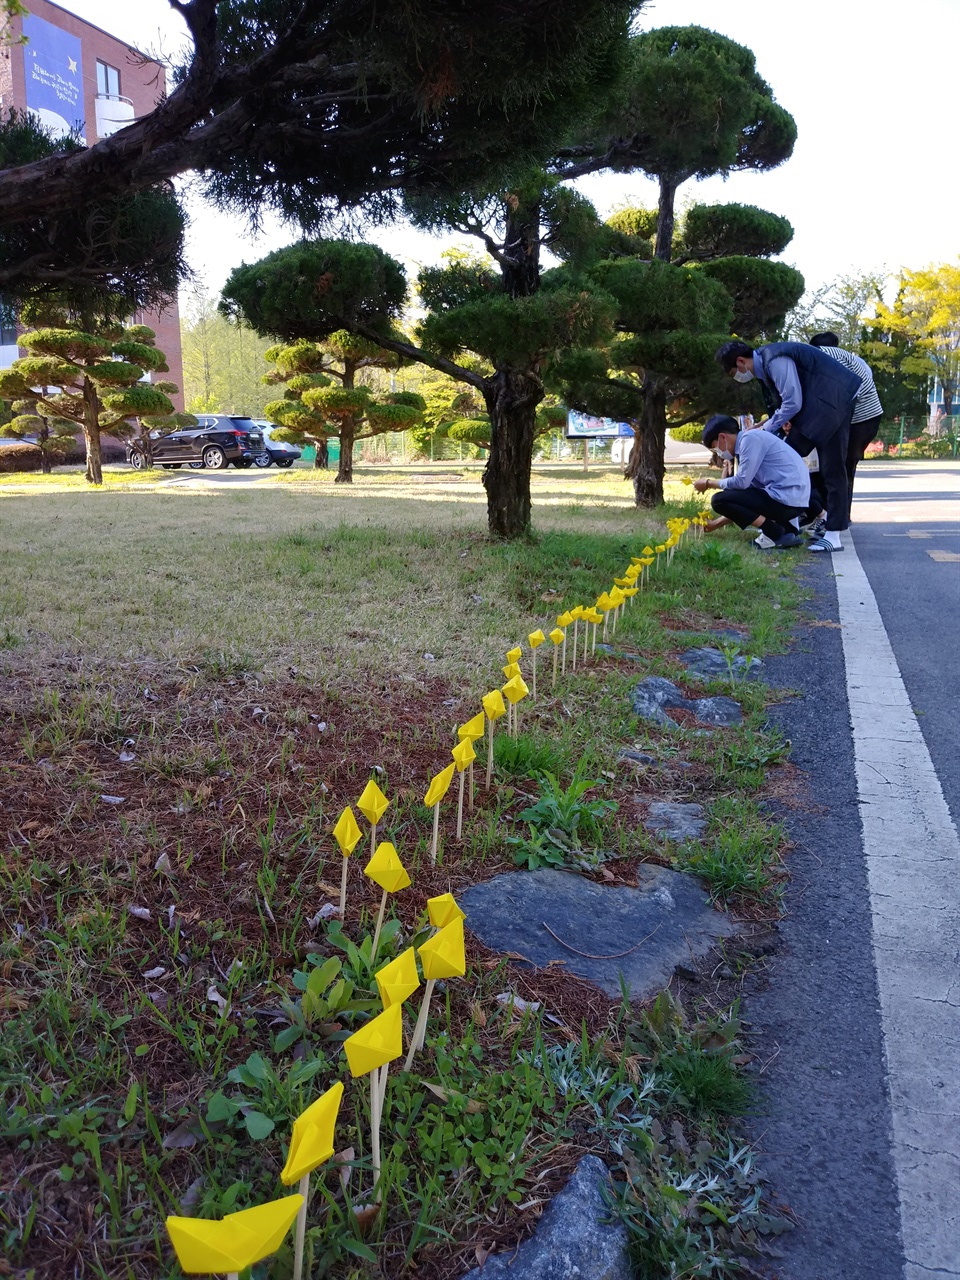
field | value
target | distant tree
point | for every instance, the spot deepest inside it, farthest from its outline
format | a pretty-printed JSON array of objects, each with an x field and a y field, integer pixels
[
  {"x": 324, "y": 399},
  {"x": 53, "y": 436},
  {"x": 224, "y": 361},
  {"x": 926, "y": 314},
  {"x": 87, "y": 372}
]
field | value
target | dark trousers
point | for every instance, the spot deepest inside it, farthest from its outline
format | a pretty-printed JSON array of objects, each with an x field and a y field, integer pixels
[
  {"x": 861, "y": 433},
  {"x": 833, "y": 485},
  {"x": 742, "y": 506}
]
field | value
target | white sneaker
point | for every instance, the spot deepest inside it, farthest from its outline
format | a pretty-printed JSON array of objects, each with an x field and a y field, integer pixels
[{"x": 763, "y": 542}]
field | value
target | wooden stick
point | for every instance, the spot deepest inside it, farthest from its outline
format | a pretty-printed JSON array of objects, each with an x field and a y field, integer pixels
[
  {"x": 420, "y": 1030},
  {"x": 576, "y": 626},
  {"x": 535, "y": 652},
  {"x": 436, "y": 832},
  {"x": 470, "y": 801},
  {"x": 555, "y": 656},
  {"x": 563, "y": 654},
  {"x": 304, "y": 1190},
  {"x": 593, "y": 641},
  {"x": 376, "y": 932},
  {"x": 516, "y": 718},
  {"x": 606, "y": 615},
  {"x": 375, "y": 1124},
  {"x": 490, "y": 724},
  {"x": 343, "y": 888},
  {"x": 373, "y": 838},
  {"x": 586, "y": 638},
  {"x": 460, "y": 808}
]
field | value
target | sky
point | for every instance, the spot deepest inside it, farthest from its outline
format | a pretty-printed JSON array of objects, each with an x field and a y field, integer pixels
[{"x": 870, "y": 185}]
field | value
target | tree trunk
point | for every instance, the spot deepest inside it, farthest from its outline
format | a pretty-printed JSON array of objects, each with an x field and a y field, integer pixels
[
  {"x": 345, "y": 469},
  {"x": 520, "y": 267},
  {"x": 91, "y": 432},
  {"x": 145, "y": 442},
  {"x": 43, "y": 436},
  {"x": 321, "y": 458},
  {"x": 646, "y": 468},
  {"x": 511, "y": 397},
  {"x": 665, "y": 219}
]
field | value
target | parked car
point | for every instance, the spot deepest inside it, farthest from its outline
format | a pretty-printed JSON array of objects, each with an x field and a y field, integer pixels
[
  {"x": 274, "y": 451},
  {"x": 216, "y": 441}
]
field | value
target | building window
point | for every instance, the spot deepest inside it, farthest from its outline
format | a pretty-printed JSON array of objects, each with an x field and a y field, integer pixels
[
  {"x": 8, "y": 324},
  {"x": 108, "y": 80}
]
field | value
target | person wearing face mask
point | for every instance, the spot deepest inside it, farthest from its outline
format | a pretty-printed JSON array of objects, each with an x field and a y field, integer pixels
[
  {"x": 816, "y": 404},
  {"x": 770, "y": 488}
]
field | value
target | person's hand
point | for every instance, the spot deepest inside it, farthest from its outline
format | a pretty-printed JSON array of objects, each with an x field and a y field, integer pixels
[
  {"x": 701, "y": 486},
  {"x": 786, "y": 428},
  {"x": 726, "y": 469}
]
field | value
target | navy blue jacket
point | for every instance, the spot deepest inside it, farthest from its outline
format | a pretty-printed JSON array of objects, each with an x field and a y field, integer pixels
[{"x": 828, "y": 389}]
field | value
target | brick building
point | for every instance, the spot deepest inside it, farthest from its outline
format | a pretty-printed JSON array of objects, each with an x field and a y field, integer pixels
[{"x": 71, "y": 74}]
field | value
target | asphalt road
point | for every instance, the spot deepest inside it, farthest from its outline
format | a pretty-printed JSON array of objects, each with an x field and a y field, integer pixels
[{"x": 849, "y": 1074}]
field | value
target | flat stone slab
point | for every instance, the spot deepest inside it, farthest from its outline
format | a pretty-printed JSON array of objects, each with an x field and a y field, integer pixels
[
  {"x": 712, "y": 664},
  {"x": 676, "y": 821},
  {"x": 653, "y": 696},
  {"x": 639, "y": 935},
  {"x": 573, "y": 1240}
]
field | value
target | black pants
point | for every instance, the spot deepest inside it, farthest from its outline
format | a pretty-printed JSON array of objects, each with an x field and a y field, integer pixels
[
  {"x": 742, "y": 506},
  {"x": 833, "y": 486},
  {"x": 861, "y": 433}
]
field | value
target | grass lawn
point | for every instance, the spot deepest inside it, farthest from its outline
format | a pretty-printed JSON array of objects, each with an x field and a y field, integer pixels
[{"x": 198, "y": 673}]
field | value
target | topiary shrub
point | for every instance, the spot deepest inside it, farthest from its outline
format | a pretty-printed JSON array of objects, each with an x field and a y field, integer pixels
[{"x": 689, "y": 433}]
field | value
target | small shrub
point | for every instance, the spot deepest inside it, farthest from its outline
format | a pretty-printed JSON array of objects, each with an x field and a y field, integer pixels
[
  {"x": 558, "y": 822},
  {"x": 528, "y": 755},
  {"x": 689, "y": 433}
]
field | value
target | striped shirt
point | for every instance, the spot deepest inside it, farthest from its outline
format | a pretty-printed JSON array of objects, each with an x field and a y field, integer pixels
[{"x": 867, "y": 403}]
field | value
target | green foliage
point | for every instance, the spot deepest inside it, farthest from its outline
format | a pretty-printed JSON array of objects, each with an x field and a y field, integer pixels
[
  {"x": 635, "y": 221},
  {"x": 312, "y": 289},
  {"x": 224, "y": 363},
  {"x": 732, "y": 230},
  {"x": 559, "y": 821},
  {"x": 736, "y": 857},
  {"x": 762, "y": 292},
  {"x": 689, "y": 433}
]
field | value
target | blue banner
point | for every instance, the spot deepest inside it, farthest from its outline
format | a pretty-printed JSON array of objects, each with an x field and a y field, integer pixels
[{"x": 53, "y": 69}]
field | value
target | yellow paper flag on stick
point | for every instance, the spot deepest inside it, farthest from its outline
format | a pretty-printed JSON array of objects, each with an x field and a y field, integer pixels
[
  {"x": 511, "y": 669},
  {"x": 441, "y": 956},
  {"x": 346, "y": 833},
  {"x": 311, "y": 1143},
  {"x": 494, "y": 707},
  {"x": 386, "y": 870},
  {"x": 439, "y": 785},
  {"x": 398, "y": 980},
  {"x": 535, "y": 639},
  {"x": 373, "y": 803},
  {"x": 557, "y": 637},
  {"x": 442, "y": 909},
  {"x": 514, "y": 655},
  {"x": 463, "y": 757},
  {"x": 473, "y": 728},
  {"x": 515, "y": 690},
  {"x": 379, "y": 1041},
  {"x": 234, "y": 1242}
]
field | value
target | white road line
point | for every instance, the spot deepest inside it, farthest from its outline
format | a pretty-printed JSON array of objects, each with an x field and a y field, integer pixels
[{"x": 913, "y": 867}]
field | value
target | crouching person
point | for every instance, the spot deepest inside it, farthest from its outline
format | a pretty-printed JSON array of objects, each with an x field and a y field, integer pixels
[{"x": 770, "y": 488}]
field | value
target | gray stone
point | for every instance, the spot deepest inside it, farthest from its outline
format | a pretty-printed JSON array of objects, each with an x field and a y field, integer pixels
[
  {"x": 636, "y": 757},
  {"x": 712, "y": 664},
  {"x": 676, "y": 821},
  {"x": 608, "y": 932},
  {"x": 619, "y": 653},
  {"x": 654, "y": 695},
  {"x": 574, "y": 1239},
  {"x": 722, "y": 634}
]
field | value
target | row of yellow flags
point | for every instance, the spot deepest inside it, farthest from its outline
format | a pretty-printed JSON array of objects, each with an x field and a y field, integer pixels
[{"x": 238, "y": 1240}]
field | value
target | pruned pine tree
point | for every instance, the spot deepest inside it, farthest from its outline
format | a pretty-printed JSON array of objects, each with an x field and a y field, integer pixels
[
  {"x": 671, "y": 316},
  {"x": 53, "y": 436},
  {"x": 88, "y": 374},
  {"x": 323, "y": 398}
]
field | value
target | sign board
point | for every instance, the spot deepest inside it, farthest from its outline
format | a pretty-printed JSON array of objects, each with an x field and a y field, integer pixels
[
  {"x": 54, "y": 76},
  {"x": 584, "y": 426}
]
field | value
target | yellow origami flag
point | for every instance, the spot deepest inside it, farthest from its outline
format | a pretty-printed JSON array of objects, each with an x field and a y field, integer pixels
[
  {"x": 439, "y": 785},
  {"x": 442, "y": 909},
  {"x": 493, "y": 705},
  {"x": 346, "y": 832},
  {"x": 564, "y": 619},
  {"x": 474, "y": 728},
  {"x": 647, "y": 551},
  {"x": 630, "y": 591},
  {"x": 311, "y": 1142},
  {"x": 398, "y": 980},
  {"x": 514, "y": 655},
  {"x": 386, "y": 869},
  {"x": 603, "y": 601},
  {"x": 622, "y": 582},
  {"x": 443, "y": 956},
  {"x": 556, "y": 635},
  {"x": 660, "y": 548},
  {"x": 463, "y": 754},
  {"x": 511, "y": 669},
  {"x": 380, "y": 1041},
  {"x": 234, "y": 1242},
  {"x": 535, "y": 639},
  {"x": 577, "y": 612},
  {"x": 686, "y": 480},
  {"x": 372, "y": 803},
  {"x": 516, "y": 689}
]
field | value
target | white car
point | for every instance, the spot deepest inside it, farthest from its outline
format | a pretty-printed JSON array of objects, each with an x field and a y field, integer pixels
[{"x": 275, "y": 451}]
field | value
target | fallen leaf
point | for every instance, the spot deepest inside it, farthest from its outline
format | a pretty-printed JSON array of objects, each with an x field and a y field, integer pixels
[
  {"x": 13, "y": 1001},
  {"x": 479, "y": 1016},
  {"x": 214, "y": 996},
  {"x": 158, "y": 972},
  {"x": 113, "y": 799},
  {"x": 164, "y": 864},
  {"x": 140, "y": 913},
  {"x": 184, "y": 1135},
  {"x": 365, "y": 1215},
  {"x": 482, "y": 1255},
  {"x": 473, "y": 1107},
  {"x": 345, "y": 1159},
  {"x": 519, "y": 1006},
  {"x": 191, "y": 1197}
]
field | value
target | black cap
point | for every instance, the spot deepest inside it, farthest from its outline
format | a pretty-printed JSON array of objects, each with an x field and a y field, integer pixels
[{"x": 719, "y": 422}]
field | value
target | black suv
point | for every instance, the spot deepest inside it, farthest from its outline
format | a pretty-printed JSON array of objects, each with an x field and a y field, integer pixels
[{"x": 216, "y": 441}]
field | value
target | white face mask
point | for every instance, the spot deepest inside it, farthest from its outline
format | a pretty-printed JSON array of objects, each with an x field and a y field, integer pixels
[
  {"x": 725, "y": 454},
  {"x": 743, "y": 376}
]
